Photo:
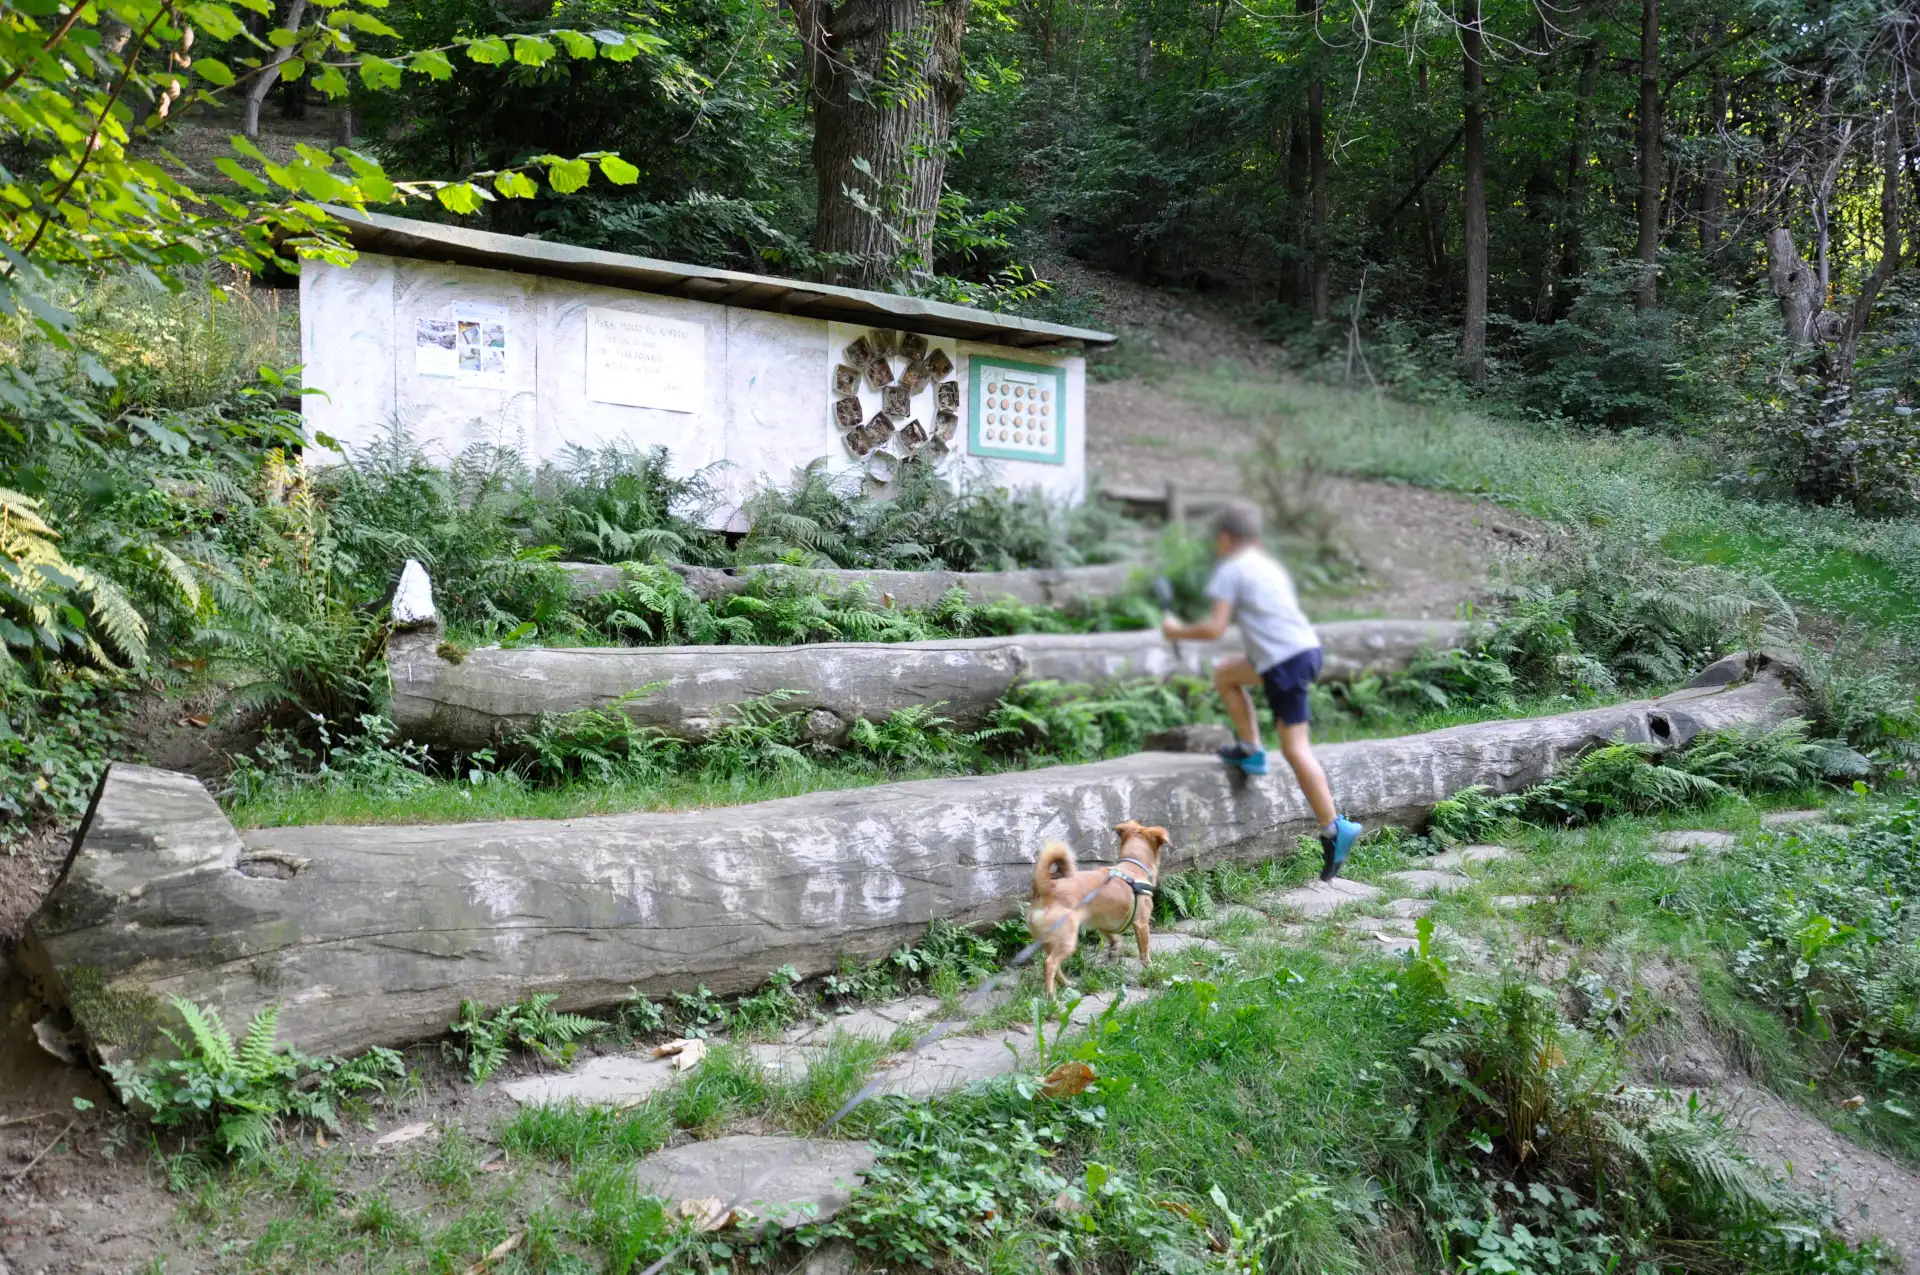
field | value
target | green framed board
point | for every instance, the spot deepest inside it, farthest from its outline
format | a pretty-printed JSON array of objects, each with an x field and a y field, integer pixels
[{"x": 1016, "y": 411}]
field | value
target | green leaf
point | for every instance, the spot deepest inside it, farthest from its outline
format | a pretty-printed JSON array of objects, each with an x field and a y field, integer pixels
[
  {"x": 579, "y": 45},
  {"x": 213, "y": 71},
  {"x": 329, "y": 81},
  {"x": 461, "y": 197},
  {"x": 490, "y": 51},
  {"x": 240, "y": 176},
  {"x": 374, "y": 183},
  {"x": 378, "y": 73},
  {"x": 569, "y": 175},
  {"x": 619, "y": 171},
  {"x": 431, "y": 63},
  {"x": 293, "y": 68},
  {"x": 515, "y": 185},
  {"x": 217, "y": 21},
  {"x": 364, "y": 22},
  {"x": 531, "y": 50}
]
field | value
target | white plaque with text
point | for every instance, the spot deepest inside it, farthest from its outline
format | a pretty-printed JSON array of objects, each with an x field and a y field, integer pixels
[{"x": 643, "y": 361}]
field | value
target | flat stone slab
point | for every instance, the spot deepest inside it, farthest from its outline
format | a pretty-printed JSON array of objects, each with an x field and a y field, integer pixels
[
  {"x": 1410, "y": 908},
  {"x": 1318, "y": 898},
  {"x": 869, "y": 1022},
  {"x": 1695, "y": 839},
  {"x": 1231, "y": 912},
  {"x": 607, "y": 1080},
  {"x": 1514, "y": 900},
  {"x": 806, "y": 1179},
  {"x": 788, "y": 1062},
  {"x": 1427, "y": 881},
  {"x": 1454, "y": 860},
  {"x": 1667, "y": 858},
  {"x": 953, "y": 1063},
  {"x": 1786, "y": 818}
]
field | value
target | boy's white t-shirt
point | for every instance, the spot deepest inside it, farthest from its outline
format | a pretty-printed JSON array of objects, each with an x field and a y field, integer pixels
[{"x": 1265, "y": 607}]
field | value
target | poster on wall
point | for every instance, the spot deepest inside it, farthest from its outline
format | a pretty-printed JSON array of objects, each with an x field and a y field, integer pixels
[
  {"x": 891, "y": 396},
  {"x": 480, "y": 344},
  {"x": 640, "y": 360},
  {"x": 1018, "y": 411},
  {"x": 465, "y": 341}
]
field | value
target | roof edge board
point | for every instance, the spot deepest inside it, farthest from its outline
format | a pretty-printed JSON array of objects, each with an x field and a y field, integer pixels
[{"x": 460, "y": 245}]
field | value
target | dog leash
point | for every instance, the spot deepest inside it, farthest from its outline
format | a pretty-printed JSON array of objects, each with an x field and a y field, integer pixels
[{"x": 967, "y": 1012}]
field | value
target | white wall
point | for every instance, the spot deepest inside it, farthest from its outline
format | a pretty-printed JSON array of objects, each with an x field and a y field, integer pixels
[{"x": 767, "y": 406}]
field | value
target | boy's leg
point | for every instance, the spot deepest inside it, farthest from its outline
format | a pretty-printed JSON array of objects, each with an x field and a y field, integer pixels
[
  {"x": 1235, "y": 679},
  {"x": 1295, "y": 747}
]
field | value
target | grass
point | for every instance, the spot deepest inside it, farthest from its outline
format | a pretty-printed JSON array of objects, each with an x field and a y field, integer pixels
[{"x": 1640, "y": 488}]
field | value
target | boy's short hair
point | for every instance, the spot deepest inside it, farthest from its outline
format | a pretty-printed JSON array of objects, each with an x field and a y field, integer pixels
[{"x": 1239, "y": 520}]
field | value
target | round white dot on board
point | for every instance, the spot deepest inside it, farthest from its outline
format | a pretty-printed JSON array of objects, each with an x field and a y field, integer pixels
[{"x": 1046, "y": 396}]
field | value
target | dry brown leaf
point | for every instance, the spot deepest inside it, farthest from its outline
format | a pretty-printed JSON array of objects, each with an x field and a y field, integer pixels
[
  {"x": 1067, "y": 1202},
  {"x": 320, "y": 1139},
  {"x": 708, "y": 1213},
  {"x": 689, "y": 1058},
  {"x": 497, "y": 1252},
  {"x": 1854, "y": 1103},
  {"x": 1068, "y": 1079}
]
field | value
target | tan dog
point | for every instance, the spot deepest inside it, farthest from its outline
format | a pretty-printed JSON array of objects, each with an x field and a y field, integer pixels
[{"x": 1106, "y": 898}]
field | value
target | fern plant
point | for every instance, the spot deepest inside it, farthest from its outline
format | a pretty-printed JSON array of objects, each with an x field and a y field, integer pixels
[
  {"x": 531, "y": 1024},
  {"x": 55, "y": 609},
  {"x": 245, "y": 1091}
]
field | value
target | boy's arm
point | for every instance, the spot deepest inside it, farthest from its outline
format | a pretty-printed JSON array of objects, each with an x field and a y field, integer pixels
[{"x": 1206, "y": 630}]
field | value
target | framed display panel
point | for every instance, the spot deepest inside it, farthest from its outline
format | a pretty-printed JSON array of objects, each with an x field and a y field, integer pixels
[{"x": 1017, "y": 411}]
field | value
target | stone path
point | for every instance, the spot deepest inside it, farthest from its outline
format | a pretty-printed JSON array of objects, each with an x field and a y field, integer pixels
[
  {"x": 813, "y": 1179},
  {"x": 788, "y": 1180}
]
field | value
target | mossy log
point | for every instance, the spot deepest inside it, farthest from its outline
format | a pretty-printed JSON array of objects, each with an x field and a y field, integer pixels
[
  {"x": 373, "y": 935},
  {"x": 684, "y": 691}
]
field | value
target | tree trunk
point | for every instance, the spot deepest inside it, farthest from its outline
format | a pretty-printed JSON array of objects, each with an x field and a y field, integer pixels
[
  {"x": 1892, "y": 151},
  {"x": 1293, "y": 283},
  {"x": 1713, "y": 178},
  {"x": 885, "y": 77},
  {"x": 1648, "y": 247},
  {"x": 1320, "y": 273},
  {"x": 373, "y": 936},
  {"x": 1473, "y": 337},
  {"x": 1572, "y": 238},
  {"x": 1793, "y": 285},
  {"x": 269, "y": 75},
  {"x": 489, "y": 696}
]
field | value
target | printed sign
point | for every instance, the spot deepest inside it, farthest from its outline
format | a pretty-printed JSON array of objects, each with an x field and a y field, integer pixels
[
  {"x": 642, "y": 361},
  {"x": 1018, "y": 411}
]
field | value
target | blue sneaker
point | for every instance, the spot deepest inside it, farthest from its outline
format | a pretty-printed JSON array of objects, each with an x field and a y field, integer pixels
[
  {"x": 1251, "y": 761},
  {"x": 1336, "y": 848}
]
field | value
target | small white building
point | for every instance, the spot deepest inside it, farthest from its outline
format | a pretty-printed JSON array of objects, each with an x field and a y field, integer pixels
[{"x": 465, "y": 336}]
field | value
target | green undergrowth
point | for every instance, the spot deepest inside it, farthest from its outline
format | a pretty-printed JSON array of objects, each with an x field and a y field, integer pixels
[
  {"x": 1639, "y": 490},
  {"x": 597, "y": 763}
]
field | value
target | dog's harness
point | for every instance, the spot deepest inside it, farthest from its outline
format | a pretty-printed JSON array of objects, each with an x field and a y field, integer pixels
[{"x": 1138, "y": 887}]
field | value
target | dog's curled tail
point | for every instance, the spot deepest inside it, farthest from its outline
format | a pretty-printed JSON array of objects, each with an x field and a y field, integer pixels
[{"x": 1052, "y": 853}]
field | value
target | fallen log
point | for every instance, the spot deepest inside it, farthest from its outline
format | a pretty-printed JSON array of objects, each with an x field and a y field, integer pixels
[
  {"x": 1062, "y": 587},
  {"x": 488, "y": 696},
  {"x": 373, "y": 935}
]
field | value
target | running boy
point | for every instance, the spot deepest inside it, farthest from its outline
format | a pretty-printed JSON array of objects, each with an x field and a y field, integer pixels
[{"x": 1250, "y": 588}]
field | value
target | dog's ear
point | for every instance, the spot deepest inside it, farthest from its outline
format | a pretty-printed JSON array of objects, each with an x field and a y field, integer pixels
[
  {"x": 1127, "y": 830},
  {"x": 1158, "y": 836}
]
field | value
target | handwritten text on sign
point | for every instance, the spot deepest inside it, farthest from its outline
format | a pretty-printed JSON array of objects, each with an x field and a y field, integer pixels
[{"x": 643, "y": 361}]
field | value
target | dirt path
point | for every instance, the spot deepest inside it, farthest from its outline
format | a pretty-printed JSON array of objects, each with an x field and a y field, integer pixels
[
  {"x": 1869, "y": 1193},
  {"x": 1424, "y": 553}
]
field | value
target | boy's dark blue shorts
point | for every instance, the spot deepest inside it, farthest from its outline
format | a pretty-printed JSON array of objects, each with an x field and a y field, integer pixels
[{"x": 1287, "y": 684}]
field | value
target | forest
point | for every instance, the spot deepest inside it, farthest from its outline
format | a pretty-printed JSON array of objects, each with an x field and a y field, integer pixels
[{"x": 1585, "y": 334}]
